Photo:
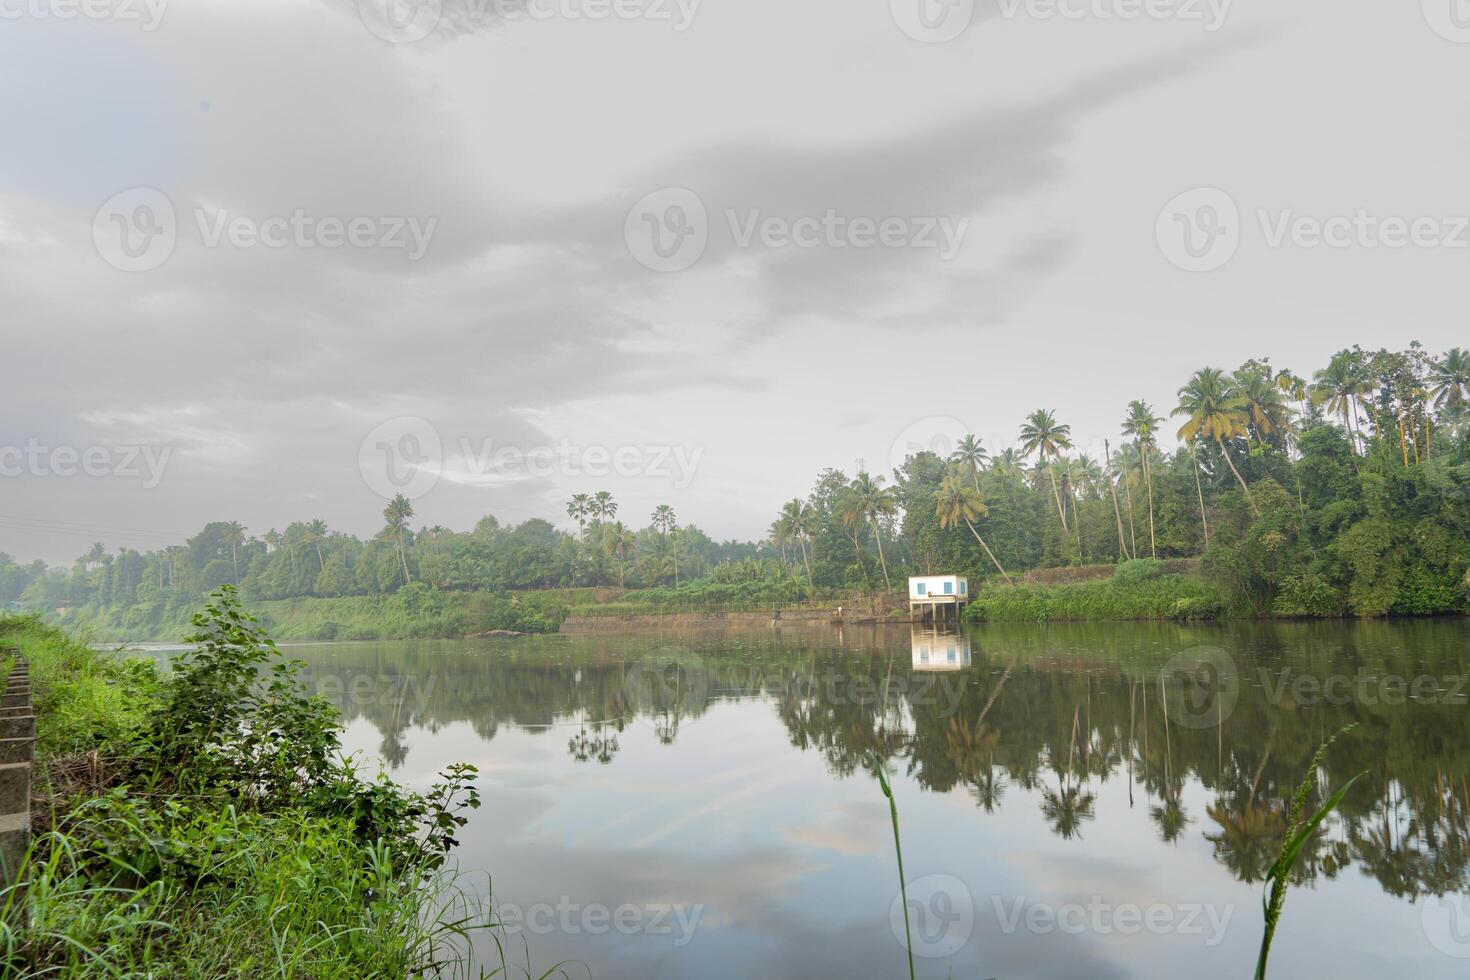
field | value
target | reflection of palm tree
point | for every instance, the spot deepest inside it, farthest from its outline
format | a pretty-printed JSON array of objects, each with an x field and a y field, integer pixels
[
  {"x": 666, "y": 727},
  {"x": 1069, "y": 806},
  {"x": 1250, "y": 835},
  {"x": 393, "y": 748},
  {"x": 1067, "y": 809},
  {"x": 602, "y": 747},
  {"x": 1170, "y": 817}
]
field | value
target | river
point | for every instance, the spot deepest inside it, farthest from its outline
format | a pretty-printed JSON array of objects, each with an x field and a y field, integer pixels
[{"x": 1090, "y": 801}]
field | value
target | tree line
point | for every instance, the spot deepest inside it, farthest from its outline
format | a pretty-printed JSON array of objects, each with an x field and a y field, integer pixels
[{"x": 1345, "y": 492}]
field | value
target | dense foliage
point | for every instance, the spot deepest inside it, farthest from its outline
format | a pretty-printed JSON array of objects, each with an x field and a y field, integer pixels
[{"x": 1345, "y": 495}]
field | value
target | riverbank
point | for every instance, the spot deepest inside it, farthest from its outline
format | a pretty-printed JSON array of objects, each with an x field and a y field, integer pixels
[
  {"x": 1137, "y": 590},
  {"x": 169, "y": 838},
  {"x": 409, "y": 614},
  {"x": 1180, "y": 597}
]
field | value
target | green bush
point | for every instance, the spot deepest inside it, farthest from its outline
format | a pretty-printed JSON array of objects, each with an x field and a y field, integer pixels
[
  {"x": 1138, "y": 570},
  {"x": 220, "y": 829}
]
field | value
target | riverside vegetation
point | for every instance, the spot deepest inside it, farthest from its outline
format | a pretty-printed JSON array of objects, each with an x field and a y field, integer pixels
[
  {"x": 204, "y": 823},
  {"x": 1344, "y": 495}
]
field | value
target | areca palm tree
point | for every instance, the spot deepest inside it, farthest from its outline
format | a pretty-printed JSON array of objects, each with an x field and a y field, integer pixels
[
  {"x": 1043, "y": 435},
  {"x": 852, "y": 513},
  {"x": 578, "y": 509},
  {"x": 1449, "y": 381},
  {"x": 1341, "y": 385},
  {"x": 603, "y": 506},
  {"x": 1213, "y": 410},
  {"x": 235, "y": 536},
  {"x": 956, "y": 503},
  {"x": 396, "y": 514},
  {"x": 1142, "y": 424},
  {"x": 970, "y": 454},
  {"x": 667, "y": 524},
  {"x": 877, "y": 502}
]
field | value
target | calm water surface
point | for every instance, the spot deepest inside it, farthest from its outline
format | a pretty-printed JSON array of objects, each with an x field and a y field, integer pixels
[{"x": 1076, "y": 802}]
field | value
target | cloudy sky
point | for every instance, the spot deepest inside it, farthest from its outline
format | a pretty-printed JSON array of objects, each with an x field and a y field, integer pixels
[{"x": 269, "y": 261}]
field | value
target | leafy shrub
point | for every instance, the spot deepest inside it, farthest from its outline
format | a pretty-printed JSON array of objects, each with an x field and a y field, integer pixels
[
  {"x": 224, "y": 832},
  {"x": 1138, "y": 570}
]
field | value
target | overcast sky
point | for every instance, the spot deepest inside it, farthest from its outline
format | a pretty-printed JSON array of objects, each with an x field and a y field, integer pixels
[{"x": 258, "y": 260}]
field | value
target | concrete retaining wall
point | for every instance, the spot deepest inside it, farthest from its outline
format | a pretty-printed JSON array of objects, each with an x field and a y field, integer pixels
[{"x": 17, "y": 751}]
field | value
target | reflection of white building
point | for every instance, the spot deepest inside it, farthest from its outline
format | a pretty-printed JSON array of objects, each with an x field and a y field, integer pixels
[
  {"x": 935, "y": 596},
  {"x": 940, "y": 651}
]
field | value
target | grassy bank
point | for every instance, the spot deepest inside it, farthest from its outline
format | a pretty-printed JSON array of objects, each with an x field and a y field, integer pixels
[
  {"x": 204, "y": 824},
  {"x": 415, "y": 612},
  {"x": 1137, "y": 590}
]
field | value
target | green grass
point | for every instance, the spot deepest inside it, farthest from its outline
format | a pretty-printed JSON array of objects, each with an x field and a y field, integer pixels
[
  {"x": 85, "y": 700},
  {"x": 1162, "y": 597},
  {"x": 412, "y": 613},
  {"x": 137, "y": 872}
]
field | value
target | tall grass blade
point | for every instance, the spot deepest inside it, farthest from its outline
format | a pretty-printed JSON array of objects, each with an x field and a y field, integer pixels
[
  {"x": 1298, "y": 832},
  {"x": 903, "y": 890}
]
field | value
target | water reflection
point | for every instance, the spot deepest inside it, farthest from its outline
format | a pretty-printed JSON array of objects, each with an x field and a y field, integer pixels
[
  {"x": 1057, "y": 713},
  {"x": 938, "y": 650}
]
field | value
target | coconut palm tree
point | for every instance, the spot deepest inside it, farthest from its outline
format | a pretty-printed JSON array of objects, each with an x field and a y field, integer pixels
[
  {"x": 1142, "y": 424},
  {"x": 1341, "y": 386},
  {"x": 1265, "y": 411},
  {"x": 314, "y": 532},
  {"x": 1213, "y": 410},
  {"x": 95, "y": 557},
  {"x": 1449, "y": 381},
  {"x": 617, "y": 541},
  {"x": 397, "y": 514},
  {"x": 878, "y": 502},
  {"x": 970, "y": 454},
  {"x": 798, "y": 517},
  {"x": 1043, "y": 435},
  {"x": 956, "y": 503},
  {"x": 578, "y": 509}
]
